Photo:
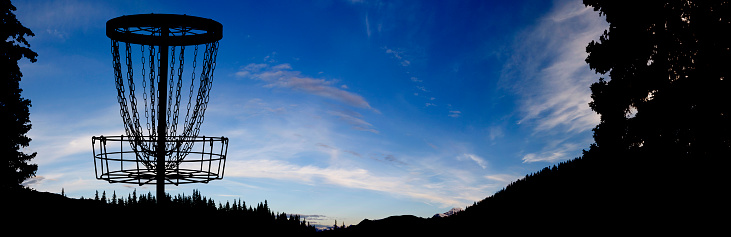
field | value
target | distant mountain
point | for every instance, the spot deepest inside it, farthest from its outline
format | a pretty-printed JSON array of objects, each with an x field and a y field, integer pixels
[{"x": 448, "y": 213}]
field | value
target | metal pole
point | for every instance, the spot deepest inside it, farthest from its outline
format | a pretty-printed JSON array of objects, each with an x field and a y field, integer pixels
[{"x": 162, "y": 88}]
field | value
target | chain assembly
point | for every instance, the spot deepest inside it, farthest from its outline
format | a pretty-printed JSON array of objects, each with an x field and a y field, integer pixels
[{"x": 131, "y": 110}]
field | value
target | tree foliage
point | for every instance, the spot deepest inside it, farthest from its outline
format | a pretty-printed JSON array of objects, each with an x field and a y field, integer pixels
[
  {"x": 669, "y": 89},
  {"x": 14, "y": 109}
]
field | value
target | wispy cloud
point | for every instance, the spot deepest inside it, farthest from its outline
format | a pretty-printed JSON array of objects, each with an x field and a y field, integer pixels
[
  {"x": 316, "y": 155},
  {"x": 368, "y": 26},
  {"x": 495, "y": 132},
  {"x": 62, "y": 19},
  {"x": 549, "y": 72},
  {"x": 345, "y": 177},
  {"x": 503, "y": 178},
  {"x": 454, "y": 113},
  {"x": 478, "y": 160},
  {"x": 553, "y": 154},
  {"x": 399, "y": 55},
  {"x": 282, "y": 76},
  {"x": 355, "y": 119},
  {"x": 54, "y": 142}
]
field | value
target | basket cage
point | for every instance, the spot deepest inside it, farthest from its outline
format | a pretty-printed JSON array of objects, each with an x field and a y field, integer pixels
[{"x": 117, "y": 160}]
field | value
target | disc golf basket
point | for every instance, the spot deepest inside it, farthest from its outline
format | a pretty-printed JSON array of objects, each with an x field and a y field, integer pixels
[{"x": 173, "y": 58}]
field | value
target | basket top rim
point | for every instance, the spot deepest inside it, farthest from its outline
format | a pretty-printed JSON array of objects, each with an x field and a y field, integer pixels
[{"x": 164, "y": 29}]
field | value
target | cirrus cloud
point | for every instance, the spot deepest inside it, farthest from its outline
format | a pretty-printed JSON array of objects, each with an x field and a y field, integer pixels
[{"x": 282, "y": 76}]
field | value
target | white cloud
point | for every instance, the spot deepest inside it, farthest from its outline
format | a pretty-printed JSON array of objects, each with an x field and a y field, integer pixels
[
  {"x": 368, "y": 26},
  {"x": 503, "y": 178},
  {"x": 284, "y": 66},
  {"x": 455, "y": 114},
  {"x": 398, "y": 54},
  {"x": 495, "y": 132},
  {"x": 356, "y": 178},
  {"x": 553, "y": 154},
  {"x": 355, "y": 119},
  {"x": 549, "y": 72},
  {"x": 60, "y": 135},
  {"x": 281, "y": 76},
  {"x": 479, "y": 160},
  {"x": 62, "y": 19},
  {"x": 308, "y": 151}
]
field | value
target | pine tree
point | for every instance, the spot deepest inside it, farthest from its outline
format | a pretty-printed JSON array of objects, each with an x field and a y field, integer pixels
[
  {"x": 668, "y": 93},
  {"x": 665, "y": 107},
  {"x": 14, "y": 109}
]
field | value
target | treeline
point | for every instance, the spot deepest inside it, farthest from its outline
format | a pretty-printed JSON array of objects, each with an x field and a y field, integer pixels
[
  {"x": 193, "y": 214},
  {"x": 236, "y": 212}
]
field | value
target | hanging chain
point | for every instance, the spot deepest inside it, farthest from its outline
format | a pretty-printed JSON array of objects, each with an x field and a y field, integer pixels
[
  {"x": 194, "y": 116},
  {"x": 206, "y": 76},
  {"x": 186, "y": 132},
  {"x": 153, "y": 98},
  {"x": 144, "y": 87},
  {"x": 134, "y": 123},
  {"x": 179, "y": 86},
  {"x": 131, "y": 123},
  {"x": 145, "y": 145},
  {"x": 171, "y": 55}
]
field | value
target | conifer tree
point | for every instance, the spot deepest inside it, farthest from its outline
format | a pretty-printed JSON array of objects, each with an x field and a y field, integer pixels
[
  {"x": 664, "y": 106},
  {"x": 667, "y": 94},
  {"x": 14, "y": 109}
]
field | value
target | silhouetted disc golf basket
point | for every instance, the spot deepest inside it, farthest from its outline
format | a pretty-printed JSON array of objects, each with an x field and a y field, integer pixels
[{"x": 172, "y": 58}]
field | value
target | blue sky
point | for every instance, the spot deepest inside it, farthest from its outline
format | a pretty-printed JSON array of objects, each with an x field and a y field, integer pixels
[{"x": 336, "y": 109}]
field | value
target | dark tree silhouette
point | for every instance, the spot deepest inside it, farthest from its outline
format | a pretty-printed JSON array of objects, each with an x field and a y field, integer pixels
[
  {"x": 665, "y": 109},
  {"x": 669, "y": 68},
  {"x": 14, "y": 112}
]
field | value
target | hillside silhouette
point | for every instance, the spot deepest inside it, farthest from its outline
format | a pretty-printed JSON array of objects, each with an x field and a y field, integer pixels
[{"x": 584, "y": 196}]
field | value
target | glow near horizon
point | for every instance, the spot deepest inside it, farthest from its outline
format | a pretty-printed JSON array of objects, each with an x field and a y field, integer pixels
[{"x": 336, "y": 109}]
